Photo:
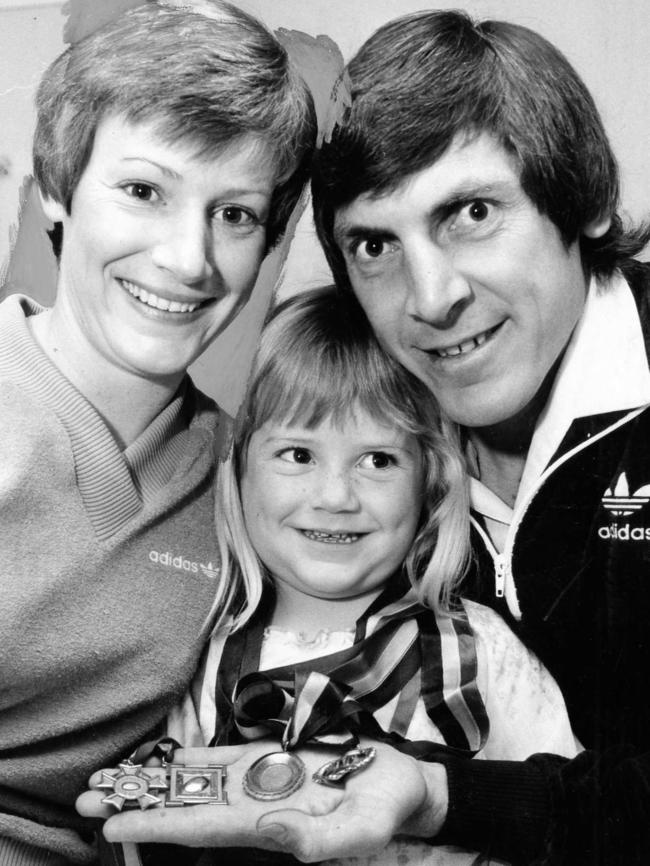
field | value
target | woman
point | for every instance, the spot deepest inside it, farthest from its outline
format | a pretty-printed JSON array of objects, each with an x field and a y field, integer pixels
[{"x": 170, "y": 148}]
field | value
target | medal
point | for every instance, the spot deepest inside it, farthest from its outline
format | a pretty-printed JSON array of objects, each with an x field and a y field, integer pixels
[
  {"x": 274, "y": 776},
  {"x": 195, "y": 785},
  {"x": 334, "y": 773},
  {"x": 133, "y": 785}
]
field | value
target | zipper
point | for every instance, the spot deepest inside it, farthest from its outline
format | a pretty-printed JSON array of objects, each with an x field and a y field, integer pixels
[
  {"x": 500, "y": 575},
  {"x": 499, "y": 560},
  {"x": 502, "y": 561}
]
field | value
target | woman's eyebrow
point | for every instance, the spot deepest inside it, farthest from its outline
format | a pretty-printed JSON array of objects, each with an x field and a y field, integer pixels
[{"x": 169, "y": 172}]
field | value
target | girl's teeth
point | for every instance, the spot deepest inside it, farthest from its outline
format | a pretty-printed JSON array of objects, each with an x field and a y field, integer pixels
[
  {"x": 330, "y": 537},
  {"x": 158, "y": 303}
]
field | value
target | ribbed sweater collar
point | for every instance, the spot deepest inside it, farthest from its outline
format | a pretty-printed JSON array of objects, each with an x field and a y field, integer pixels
[{"x": 113, "y": 484}]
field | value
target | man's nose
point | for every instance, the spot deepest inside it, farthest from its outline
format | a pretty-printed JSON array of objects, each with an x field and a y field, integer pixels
[
  {"x": 184, "y": 248},
  {"x": 437, "y": 290},
  {"x": 335, "y": 491}
]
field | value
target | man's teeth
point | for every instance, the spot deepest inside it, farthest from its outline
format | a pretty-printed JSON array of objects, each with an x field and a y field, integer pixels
[
  {"x": 330, "y": 537},
  {"x": 159, "y": 303},
  {"x": 467, "y": 346}
]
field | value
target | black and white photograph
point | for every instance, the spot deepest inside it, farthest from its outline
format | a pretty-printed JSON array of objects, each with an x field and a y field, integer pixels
[{"x": 325, "y": 477}]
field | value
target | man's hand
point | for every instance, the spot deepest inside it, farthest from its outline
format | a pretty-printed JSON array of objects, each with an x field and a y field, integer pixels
[{"x": 395, "y": 794}]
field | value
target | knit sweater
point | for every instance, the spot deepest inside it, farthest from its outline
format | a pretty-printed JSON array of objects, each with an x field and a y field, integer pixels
[{"x": 109, "y": 562}]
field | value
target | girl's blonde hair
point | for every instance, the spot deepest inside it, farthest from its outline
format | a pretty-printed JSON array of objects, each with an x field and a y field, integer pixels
[{"x": 318, "y": 359}]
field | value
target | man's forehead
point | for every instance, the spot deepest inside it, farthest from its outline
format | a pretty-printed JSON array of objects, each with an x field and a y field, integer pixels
[{"x": 478, "y": 167}]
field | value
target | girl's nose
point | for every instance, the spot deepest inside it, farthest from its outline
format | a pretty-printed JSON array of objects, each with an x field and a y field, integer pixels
[{"x": 335, "y": 491}]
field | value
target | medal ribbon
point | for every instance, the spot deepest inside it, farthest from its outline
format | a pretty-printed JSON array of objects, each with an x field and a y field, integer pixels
[
  {"x": 402, "y": 652},
  {"x": 314, "y": 715}
]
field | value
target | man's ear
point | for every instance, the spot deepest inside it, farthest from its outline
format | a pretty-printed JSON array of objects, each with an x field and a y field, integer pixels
[
  {"x": 52, "y": 208},
  {"x": 598, "y": 227}
]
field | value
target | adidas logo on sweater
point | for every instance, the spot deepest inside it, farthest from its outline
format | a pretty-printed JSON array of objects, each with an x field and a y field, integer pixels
[{"x": 167, "y": 558}]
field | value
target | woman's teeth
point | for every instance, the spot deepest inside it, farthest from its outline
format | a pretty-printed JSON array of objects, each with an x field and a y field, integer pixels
[
  {"x": 331, "y": 537},
  {"x": 155, "y": 301}
]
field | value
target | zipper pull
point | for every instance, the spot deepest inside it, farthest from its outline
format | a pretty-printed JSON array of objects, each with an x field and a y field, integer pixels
[{"x": 500, "y": 575}]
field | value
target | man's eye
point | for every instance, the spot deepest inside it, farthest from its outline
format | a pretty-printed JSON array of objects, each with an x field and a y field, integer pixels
[
  {"x": 474, "y": 218},
  {"x": 372, "y": 249},
  {"x": 295, "y": 455},
  {"x": 377, "y": 460},
  {"x": 477, "y": 211},
  {"x": 141, "y": 191}
]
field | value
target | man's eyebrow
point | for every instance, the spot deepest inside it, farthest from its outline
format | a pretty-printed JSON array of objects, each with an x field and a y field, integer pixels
[
  {"x": 347, "y": 229},
  {"x": 475, "y": 188},
  {"x": 350, "y": 231}
]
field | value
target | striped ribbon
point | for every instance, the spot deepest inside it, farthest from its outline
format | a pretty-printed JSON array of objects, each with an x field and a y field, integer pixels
[{"x": 402, "y": 652}]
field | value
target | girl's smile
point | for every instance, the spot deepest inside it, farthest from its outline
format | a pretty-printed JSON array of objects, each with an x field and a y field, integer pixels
[{"x": 332, "y": 510}]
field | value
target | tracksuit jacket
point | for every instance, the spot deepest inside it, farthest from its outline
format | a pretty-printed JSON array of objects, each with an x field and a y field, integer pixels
[{"x": 573, "y": 581}]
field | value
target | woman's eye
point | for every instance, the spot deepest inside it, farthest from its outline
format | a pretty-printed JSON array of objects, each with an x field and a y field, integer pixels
[
  {"x": 141, "y": 191},
  {"x": 377, "y": 460},
  {"x": 296, "y": 455},
  {"x": 236, "y": 216}
]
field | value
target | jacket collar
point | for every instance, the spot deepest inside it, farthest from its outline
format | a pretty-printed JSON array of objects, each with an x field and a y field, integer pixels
[{"x": 604, "y": 370}]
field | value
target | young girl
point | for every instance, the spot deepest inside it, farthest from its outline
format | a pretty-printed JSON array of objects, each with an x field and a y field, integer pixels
[{"x": 344, "y": 536}]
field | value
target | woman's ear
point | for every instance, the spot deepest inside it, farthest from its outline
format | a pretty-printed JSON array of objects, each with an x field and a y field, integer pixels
[
  {"x": 598, "y": 227},
  {"x": 52, "y": 208}
]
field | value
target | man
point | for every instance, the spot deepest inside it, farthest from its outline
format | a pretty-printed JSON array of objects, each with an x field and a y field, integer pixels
[{"x": 470, "y": 202}]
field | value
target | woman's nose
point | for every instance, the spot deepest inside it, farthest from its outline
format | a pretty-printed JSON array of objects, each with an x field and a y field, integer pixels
[{"x": 184, "y": 248}]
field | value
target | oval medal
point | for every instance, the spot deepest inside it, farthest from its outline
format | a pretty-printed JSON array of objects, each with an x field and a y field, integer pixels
[{"x": 274, "y": 776}]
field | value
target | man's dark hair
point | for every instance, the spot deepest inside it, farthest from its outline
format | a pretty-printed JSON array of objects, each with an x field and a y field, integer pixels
[{"x": 422, "y": 80}]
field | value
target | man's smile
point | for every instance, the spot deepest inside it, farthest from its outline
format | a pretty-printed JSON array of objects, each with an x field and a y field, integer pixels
[{"x": 466, "y": 346}]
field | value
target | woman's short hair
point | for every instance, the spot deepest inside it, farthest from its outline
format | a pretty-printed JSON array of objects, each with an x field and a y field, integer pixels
[
  {"x": 319, "y": 360},
  {"x": 205, "y": 72},
  {"x": 425, "y": 79}
]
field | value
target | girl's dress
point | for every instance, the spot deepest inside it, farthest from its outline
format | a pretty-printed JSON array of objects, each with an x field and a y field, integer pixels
[{"x": 448, "y": 677}]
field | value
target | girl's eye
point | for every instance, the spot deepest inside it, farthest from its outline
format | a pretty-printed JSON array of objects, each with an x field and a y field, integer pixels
[
  {"x": 141, "y": 191},
  {"x": 296, "y": 455},
  {"x": 377, "y": 460}
]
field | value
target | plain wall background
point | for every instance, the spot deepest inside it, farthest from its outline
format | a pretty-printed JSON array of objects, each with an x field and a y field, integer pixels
[{"x": 607, "y": 42}]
